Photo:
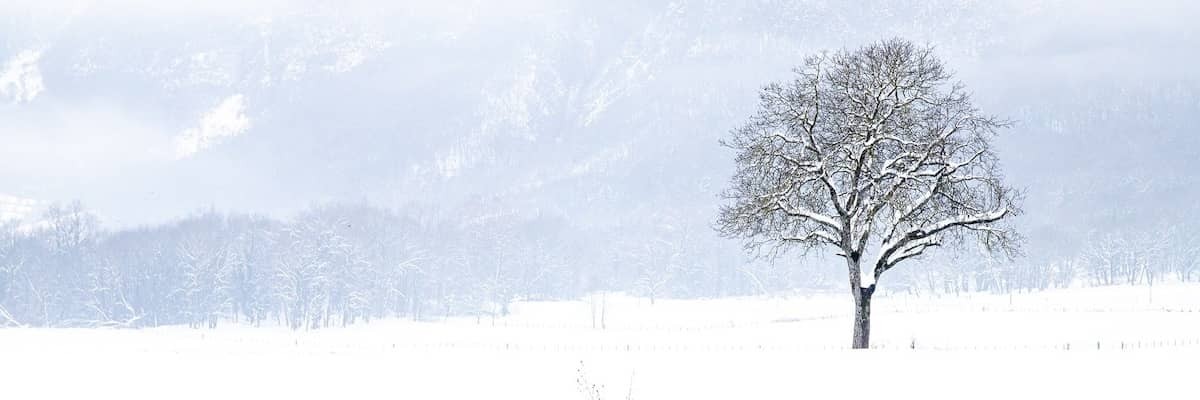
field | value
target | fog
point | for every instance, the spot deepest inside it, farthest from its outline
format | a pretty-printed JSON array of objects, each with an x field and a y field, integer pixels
[
  {"x": 635, "y": 199},
  {"x": 602, "y": 118},
  {"x": 540, "y": 105}
]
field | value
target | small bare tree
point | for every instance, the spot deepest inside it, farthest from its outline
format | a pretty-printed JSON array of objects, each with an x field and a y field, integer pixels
[{"x": 874, "y": 153}]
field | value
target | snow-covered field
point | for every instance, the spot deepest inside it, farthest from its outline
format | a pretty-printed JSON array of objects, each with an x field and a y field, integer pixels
[{"x": 1115, "y": 342}]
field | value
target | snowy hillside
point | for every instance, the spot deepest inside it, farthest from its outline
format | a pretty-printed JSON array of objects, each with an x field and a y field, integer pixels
[{"x": 582, "y": 109}]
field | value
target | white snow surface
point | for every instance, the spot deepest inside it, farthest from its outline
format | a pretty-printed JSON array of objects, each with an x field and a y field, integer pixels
[
  {"x": 1097, "y": 343},
  {"x": 224, "y": 121},
  {"x": 20, "y": 77}
]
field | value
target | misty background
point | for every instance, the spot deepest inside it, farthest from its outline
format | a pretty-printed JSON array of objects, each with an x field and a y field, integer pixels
[{"x": 295, "y": 160}]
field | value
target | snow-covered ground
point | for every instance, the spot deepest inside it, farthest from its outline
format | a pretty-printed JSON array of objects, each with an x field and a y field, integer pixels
[{"x": 1114, "y": 342}]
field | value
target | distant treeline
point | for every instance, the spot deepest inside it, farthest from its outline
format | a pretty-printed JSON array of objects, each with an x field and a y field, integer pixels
[
  {"x": 345, "y": 263},
  {"x": 332, "y": 265}
]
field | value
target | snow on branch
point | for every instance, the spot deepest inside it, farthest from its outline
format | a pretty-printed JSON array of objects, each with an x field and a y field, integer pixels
[{"x": 877, "y": 146}]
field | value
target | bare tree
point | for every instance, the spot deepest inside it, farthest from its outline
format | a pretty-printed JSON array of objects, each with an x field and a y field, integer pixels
[
  {"x": 12, "y": 263},
  {"x": 71, "y": 233},
  {"x": 874, "y": 153},
  {"x": 1184, "y": 259}
]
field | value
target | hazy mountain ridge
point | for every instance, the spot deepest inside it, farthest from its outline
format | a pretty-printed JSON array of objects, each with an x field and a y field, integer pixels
[{"x": 601, "y": 112}]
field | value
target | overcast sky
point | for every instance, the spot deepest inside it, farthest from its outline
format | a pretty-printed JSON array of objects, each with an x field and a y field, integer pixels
[{"x": 148, "y": 111}]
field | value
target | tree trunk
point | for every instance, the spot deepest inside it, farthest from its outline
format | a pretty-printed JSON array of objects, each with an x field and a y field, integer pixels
[{"x": 862, "y": 318}]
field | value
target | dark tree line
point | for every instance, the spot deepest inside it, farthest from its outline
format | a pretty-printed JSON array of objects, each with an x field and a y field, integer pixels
[
  {"x": 334, "y": 265},
  {"x": 341, "y": 264}
]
